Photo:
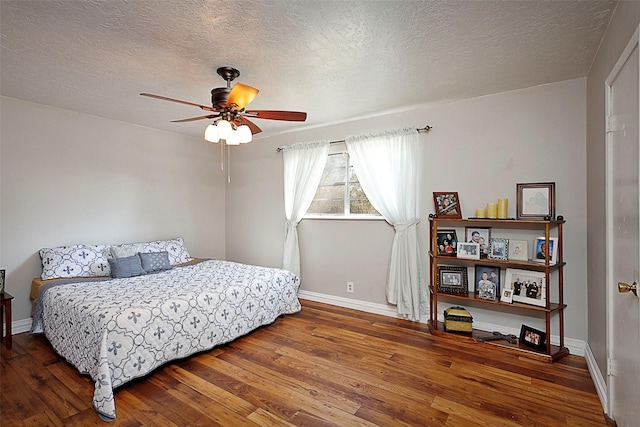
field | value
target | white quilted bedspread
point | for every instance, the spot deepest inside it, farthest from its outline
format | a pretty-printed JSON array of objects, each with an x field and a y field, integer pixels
[{"x": 120, "y": 329}]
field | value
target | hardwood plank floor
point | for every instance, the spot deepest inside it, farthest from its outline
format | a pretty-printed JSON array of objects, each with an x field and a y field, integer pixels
[{"x": 324, "y": 366}]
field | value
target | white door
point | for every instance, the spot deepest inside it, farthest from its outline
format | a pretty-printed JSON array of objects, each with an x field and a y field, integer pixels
[{"x": 623, "y": 237}]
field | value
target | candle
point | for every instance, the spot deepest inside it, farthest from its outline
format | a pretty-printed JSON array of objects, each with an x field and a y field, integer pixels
[
  {"x": 503, "y": 207},
  {"x": 492, "y": 210},
  {"x": 480, "y": 213}
]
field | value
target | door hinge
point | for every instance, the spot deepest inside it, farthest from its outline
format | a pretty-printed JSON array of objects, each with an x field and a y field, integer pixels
[
  {"x": 612, "y": 367},
  {"x": 612, "y": 124}
]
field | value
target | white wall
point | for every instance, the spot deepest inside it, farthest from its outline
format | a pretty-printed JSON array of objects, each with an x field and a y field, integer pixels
[
  {"x": 624, "y": 22},
  {"x": 478, "y": 147},
  {"x": 68, "y": 178}
]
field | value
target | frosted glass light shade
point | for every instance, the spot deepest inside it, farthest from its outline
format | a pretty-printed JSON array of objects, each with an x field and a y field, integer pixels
[
  {"x": 211, "y": 133},
  {"x": 232, "y": 138},
  {"x": 224, "y": 129},
  {"x": 244, "y": 134}
]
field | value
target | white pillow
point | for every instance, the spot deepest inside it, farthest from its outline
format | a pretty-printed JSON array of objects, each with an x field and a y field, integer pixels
[
  {"x": 75, "y": 261},
  {"x": 175, "y": 247},
  {"x": 126, "y": 250}
]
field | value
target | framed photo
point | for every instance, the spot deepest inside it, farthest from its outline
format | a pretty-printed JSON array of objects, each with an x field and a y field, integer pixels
[
  {"x": 447, "y": 204},
  {"x": 507, "y": 295},
  {"x": 487, "y": 283},
  {"x": 1, "y": 284},
  {"x": 533, "y": 338},
  {"x": 518, "y": 250},
  {"x": 447, "y": 242},
  {"x": 498, "y": 249},
  {"x": 479, "y": 235},
  {"x": 468, "y": 250},
  {"x": 536, "y": 201},
  {"x": 452, "y": 280},
  {"x": 540, "y": 250},
  {"x": 529, "y": 287}
]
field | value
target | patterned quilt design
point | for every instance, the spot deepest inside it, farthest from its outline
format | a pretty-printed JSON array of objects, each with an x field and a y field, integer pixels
[{"x": 120, "y": 329}]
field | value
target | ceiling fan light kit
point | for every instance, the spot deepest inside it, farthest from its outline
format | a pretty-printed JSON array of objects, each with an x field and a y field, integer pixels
[{"x": 224, "y": 130}]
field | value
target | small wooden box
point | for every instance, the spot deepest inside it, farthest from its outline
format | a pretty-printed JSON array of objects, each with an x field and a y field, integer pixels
[{"x": 458, "y": 319}]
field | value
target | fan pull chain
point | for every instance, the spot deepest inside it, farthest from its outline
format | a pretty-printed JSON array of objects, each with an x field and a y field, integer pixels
[
  {"x": 222, "y": 144},
  {"x": 228, "y": 165}
]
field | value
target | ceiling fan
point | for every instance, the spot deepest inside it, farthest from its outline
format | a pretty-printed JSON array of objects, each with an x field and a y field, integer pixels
[{"x": 231, "y": 120}]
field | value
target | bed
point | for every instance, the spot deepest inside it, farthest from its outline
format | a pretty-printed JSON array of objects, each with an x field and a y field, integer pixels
[{"x": 119, "y": 329}]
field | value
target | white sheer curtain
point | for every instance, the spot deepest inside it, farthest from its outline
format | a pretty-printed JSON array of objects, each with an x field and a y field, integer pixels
[
  {"x": 303, "y": 166},
  {"x": 387, "y": 167}
]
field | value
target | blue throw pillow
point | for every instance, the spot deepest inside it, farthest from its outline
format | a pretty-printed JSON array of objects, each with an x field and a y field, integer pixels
[
  {"x": 152, "y": 262},
  {"x": 126, "y": 267}
]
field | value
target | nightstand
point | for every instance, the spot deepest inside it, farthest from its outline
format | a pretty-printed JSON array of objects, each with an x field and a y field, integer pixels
[{"x": 5, "y": 303}]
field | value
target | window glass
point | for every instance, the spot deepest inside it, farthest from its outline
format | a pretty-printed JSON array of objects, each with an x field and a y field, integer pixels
[{"x": 339, "y": 192}]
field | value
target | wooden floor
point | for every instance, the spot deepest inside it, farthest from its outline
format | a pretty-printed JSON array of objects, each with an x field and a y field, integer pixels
[{"x": 324, "y": 366}]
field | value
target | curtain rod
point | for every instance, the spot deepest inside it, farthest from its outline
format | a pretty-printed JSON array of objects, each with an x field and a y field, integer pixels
[{"x": 427, "y": 128}]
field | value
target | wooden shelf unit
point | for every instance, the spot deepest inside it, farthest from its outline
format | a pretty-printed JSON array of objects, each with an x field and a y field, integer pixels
[{"x": 555, "y": 309}]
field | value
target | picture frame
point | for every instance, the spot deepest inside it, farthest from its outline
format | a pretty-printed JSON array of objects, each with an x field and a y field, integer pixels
[
  {"x": 2, "y": 275},
  {"x": 487, "y": 282},
  {"x": 507, "y": 295},
  {"x": 480, "y": 235},
  {"x": 498, "y": 249},
  {"x": 447, "y": 242},
  {"x": 518, "y": 250},
  {"x": 539, "y": 250},
  {"x": 447, "y": 204},
  {"x": 536, "y": 201},
  {"x": 533, "y": 338},
  {"x": 468, "y": 250},
  {"x": 452, "y": 280},
  {"x": 529, "y": 287}
]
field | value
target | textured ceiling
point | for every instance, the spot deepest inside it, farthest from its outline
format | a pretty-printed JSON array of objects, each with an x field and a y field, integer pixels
[{"x": 336, "y": 60}]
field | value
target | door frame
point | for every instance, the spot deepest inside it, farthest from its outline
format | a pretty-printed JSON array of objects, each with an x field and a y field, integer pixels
[{"x": 610, "y": 281}]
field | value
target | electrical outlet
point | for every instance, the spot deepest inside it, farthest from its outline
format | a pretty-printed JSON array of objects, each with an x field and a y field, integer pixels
[{"x": 350, "y": 287}]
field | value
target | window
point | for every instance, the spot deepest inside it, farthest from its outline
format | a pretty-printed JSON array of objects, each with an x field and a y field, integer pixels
[{"x": 339, "y": 193}]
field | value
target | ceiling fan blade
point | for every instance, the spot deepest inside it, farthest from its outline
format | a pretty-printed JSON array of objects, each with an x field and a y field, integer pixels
[
  {"x": 192, "y": 119},
  {"x": 292, "y": 116},
  {"x": 164, "y": 98},
  {"x": 241, "y": 95},
  {"x": 254, "y": 128}
]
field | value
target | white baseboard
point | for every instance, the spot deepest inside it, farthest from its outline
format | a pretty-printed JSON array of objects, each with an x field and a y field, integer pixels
[
  {"x": 598, "y": 380},
  {"x": 575, "y": 346},
  {"x": 367, "y": 307},
  {"x": 19, "y": 326}
]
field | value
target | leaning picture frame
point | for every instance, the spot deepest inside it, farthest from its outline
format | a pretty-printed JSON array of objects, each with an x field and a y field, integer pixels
[
  {"x": 447, "y": 204},
  {"x": 529, "y": 287},
  {"x": 479, "y": 235},
  {"x": 447, "y": 242},
  {"x": 487, "y": 282},
  {"x": 2, "y": 272},
  {"x": 498, "y": 249},
  {"x": 533, "y": 338},
  {"x": 468, "y": 250},
  {"x": 452, "y": 280},
  {"x": 540, "y": 249},
  {"x": 518, "y": 250},
  {"x": 507, "y": 295},
  {"x": 536, "y": 201}
]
